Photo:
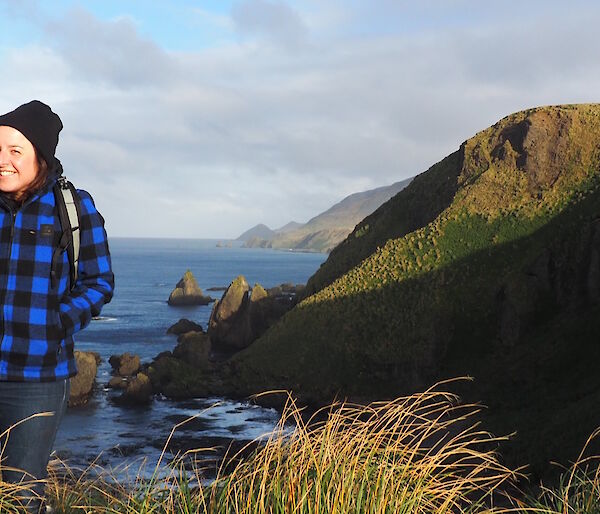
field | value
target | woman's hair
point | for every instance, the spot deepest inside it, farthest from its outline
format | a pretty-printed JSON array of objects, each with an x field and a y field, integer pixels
[{"x": 37, "y": 183}]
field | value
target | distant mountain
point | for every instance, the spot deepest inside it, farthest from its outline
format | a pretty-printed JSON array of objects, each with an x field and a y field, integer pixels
[
  {"x": 354, "y": 208},
  {"x": 257, "y": 232},
  {"x": 288, "y": 227},
  {"x": 326, "y": 230}
]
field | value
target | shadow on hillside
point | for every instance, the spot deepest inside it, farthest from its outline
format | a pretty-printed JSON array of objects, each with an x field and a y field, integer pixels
[{"x": 541, "y": 382}]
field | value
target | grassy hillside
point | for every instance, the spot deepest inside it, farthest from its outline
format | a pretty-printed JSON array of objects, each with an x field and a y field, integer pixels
[{"x": 461, "y": 272}]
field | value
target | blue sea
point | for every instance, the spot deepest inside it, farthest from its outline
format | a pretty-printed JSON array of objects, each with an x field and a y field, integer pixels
[{"x": 136, "y": 320}]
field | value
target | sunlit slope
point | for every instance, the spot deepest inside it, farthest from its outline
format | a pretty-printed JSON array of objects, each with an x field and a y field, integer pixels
[{"x": 464, "y": 263}]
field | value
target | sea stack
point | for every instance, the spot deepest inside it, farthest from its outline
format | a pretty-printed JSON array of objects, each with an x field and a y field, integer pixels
[{"x": 187, "y": 292}]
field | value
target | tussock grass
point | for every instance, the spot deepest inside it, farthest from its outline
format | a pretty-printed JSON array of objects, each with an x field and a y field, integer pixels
[
  {"x": 423, "y": 453},
  {"x": 578, "y": 491},
  {"x": 419, "y": 453}
]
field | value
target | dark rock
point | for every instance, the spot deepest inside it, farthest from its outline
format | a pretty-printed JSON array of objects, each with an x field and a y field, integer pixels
[
  {"x": 184, "y": 325},
  {"x": 288, "y": 287},
  {"x": 187, "y": 292},
  {"x": 137, "y": 392},
  {"x": 241, "y": 316},
  {"x": 229, "y": 324},
  {"x": 117, "y": 383},
  {"x": 194, "y": 349},
  {"x": 125, "y": 365},
  {"x": 275, "y": 291},
  {"x": 82, "y": 384},
  {"x": 176, "y": 378}
]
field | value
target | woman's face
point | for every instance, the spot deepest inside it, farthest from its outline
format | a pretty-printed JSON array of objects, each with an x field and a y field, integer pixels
[{"x": 18, "y": 161}]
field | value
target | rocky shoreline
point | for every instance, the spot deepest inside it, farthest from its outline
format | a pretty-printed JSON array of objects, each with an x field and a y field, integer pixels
[{"x": 200, "y": 363}]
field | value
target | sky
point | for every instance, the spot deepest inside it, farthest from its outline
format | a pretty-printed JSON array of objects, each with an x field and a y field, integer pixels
[{"x": 200, "y": 119}]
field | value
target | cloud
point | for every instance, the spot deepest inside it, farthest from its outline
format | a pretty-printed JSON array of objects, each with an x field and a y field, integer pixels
[
  {"x": 108, "y": 51},
  {"x": 273, "y": 20},
  {"x": 212, "y": 141}
]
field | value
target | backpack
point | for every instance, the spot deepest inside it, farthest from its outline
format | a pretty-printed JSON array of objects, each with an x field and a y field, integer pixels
[{"x": 67, "y": 201}]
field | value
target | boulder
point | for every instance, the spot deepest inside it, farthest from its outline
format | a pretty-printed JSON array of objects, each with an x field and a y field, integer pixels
[
  {"x": 177, "y": 378},
  {"x": 241, "y": 316},
  {"x": 229, "y": 324},
  {"x": 125, "y": 365},
  {"x": 83, "y": 383},
  {"x": 138, "y": 391},
  {"x": 187, "y": 292},
  {"x": 194, "y": 349},
  {"x": 166, "y": 353},
  {"x": 275, "y": 291},
  {"x": 233, "y": 301},
  {"x": 117, "y": 383},
  {"x": 258, "y": 293},
  {"x": 184, "y": 325}
]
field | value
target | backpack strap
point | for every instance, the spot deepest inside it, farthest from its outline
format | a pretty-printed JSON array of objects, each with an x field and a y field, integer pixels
[{"x": 67, "y": 200}]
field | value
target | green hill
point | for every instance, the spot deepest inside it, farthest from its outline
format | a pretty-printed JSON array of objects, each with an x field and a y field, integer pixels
[{"x": 487, "y": 264}]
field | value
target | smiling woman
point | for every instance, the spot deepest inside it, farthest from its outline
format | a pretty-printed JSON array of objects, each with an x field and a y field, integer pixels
[
  {"x": 20, "y": 168},
  {"x": 40, "y": 309}
]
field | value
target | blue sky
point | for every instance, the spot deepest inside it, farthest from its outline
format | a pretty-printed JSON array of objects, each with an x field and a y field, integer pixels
[{"x": 203, "y": 118}]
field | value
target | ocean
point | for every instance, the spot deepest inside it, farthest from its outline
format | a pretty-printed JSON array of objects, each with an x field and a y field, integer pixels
[{"x": 135, "y": 321}]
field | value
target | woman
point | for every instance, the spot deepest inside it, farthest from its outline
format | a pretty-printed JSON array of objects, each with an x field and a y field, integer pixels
[{"x": 40, "y": 310}]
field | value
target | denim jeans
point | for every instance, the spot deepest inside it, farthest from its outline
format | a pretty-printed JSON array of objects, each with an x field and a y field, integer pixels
[{"x": 27, "y": 446}]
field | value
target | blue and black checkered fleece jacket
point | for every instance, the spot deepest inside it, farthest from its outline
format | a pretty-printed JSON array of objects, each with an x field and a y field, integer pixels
[{"x": 39, "y": 316}]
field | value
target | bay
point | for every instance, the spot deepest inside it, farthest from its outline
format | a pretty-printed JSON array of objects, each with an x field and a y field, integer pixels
[{"x": 135, "y": 321}]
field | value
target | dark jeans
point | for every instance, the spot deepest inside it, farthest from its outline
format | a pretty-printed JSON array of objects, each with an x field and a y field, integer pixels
[{"x": 27, "y": 446}]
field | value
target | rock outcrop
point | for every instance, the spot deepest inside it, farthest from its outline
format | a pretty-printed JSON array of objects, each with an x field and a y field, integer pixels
[
  {"x": 187, "y": 292},
  {"x": 184, "y": 325},
  {"x": 82, "y": 384},
  {"x": 130, "y": 379},
  {"x": 187, "y": 371},
  {"x": 138, "y": 391},
  {"x": 193, "y": 348},
  {"x": 125, "y": 365},
  {"x": 229, "y": 324},
  {"x": 242, "y": 314}
]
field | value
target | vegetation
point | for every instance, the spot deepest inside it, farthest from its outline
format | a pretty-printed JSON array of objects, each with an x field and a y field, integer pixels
[
  {"x": 418, "y": 454},
  {"x": 463, "y": 272},
  {"x": 487, "y": 265}
]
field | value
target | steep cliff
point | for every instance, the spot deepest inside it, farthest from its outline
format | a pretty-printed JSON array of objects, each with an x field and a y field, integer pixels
[{"x": 462, "y": 272}]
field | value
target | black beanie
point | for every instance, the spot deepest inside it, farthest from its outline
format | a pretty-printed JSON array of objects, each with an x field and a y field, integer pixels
[{"x": 36, "y": 121}]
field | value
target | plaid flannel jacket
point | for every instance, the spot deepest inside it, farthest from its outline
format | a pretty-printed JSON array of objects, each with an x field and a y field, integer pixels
[{"x": 39, "y": 315}]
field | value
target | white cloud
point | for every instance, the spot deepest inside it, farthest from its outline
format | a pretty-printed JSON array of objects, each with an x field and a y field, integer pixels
[
  {"x": 111, "y": 52},
  {"x": 208, "y": 143}
]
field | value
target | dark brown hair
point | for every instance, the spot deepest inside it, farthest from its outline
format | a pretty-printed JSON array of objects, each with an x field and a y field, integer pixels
[{"x": 37, "y": 183}]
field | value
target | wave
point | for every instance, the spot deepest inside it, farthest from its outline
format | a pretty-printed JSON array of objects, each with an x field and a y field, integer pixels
[{"x": 103, "y": 318}]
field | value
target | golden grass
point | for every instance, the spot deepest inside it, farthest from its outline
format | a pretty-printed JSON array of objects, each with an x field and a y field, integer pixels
[{"x": 422, "y": 453}]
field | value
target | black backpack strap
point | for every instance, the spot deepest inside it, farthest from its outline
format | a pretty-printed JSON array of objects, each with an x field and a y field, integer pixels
[{"x": 67, "y": 203}]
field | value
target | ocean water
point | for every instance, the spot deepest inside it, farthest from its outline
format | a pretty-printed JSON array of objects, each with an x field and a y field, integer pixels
[{"x": 136, "y": 320}]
